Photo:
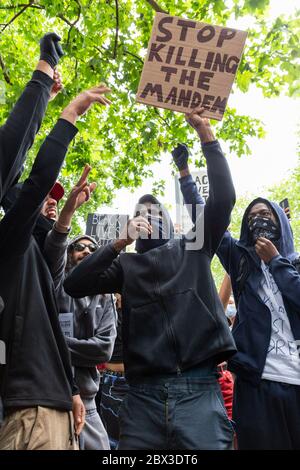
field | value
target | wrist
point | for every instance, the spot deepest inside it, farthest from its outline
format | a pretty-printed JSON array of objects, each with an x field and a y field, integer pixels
[
  {"x": 184, "y": 172},
  {"x": 120, "y": 244},
  {"x": 43, "y": 66},
  {"x": 206, "y": 135},
  {"x": 69, "y": 114},
  {"x": 62, "y": 227}
]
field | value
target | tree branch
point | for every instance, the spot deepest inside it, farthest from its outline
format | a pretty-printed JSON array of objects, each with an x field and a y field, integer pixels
[
  {"x": 133, "y": 55},
  {"x": 117, "y": 29},
  {"x": 156, "y": 6},
  {"x": 16, "y": 15},
  {"x": 4, "y": 70}
]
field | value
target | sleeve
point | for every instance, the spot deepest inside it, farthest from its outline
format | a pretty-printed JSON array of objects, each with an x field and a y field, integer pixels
[
  {"x": 191, "y": 195},
  {"x": 20, "y": 128},
  {"x": 287, "y": 279},
  {"x": 55, "y": 253},
  {"x": 18, "y": 223},
  {"x": 98, "y": 349},
  {"x": 98, "y": 273},
  {"x": 224, "y": 251},
  {"x": 221, "y": 198}
]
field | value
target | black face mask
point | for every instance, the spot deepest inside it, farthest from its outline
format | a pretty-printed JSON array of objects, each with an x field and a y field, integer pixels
[
  {"x": 264, "y": 227},
  {"x": 160, "y": 235}
]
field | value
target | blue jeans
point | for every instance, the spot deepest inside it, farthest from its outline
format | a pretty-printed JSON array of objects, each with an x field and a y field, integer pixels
[{"x": 175, "y": 413}]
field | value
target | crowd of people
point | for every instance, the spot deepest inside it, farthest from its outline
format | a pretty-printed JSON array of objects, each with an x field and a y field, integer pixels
[{"x": 108, "y": 349}]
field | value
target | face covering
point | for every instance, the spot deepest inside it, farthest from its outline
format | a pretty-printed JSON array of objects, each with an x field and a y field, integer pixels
[
  {"x": 264, "y": 227},
  {"x": 230, "y": 311},
  {"x": 159, "y": 236}
]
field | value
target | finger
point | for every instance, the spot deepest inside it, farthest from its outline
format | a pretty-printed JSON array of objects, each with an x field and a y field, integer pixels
[
  {"x": 100, "y": 99},
  {"x": 93, "y": 186},
  {"x": 144, "y": 225},
  {"x": 87, "y": 193},
  {"x": 84, "y": 175},
  {"x": 100, "y": 89}
]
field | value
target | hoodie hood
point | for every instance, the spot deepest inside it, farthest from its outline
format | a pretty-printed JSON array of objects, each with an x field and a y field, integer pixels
[
  {"x": 285, "y": 243},
  {"x": 82, "y": 237},
  {"x": 166, "y": 229}
]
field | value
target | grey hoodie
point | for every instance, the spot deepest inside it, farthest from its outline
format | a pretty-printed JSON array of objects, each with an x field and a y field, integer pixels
[{"x": 94, "y": 319}]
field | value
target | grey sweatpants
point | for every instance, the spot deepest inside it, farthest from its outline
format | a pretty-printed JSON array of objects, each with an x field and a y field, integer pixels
[{"x": 94, "y": 435}]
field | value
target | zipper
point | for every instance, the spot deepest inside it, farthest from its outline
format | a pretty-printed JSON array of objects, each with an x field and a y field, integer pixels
[{"x": 170, "y": 331}]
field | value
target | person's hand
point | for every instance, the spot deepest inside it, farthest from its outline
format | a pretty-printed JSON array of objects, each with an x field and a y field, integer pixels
[
  {"x": 57, "y": 86},
  {"x": 78, "y": 414},
  {"x": 84, "y": 101},
  {"x": 78, "y": 196},
  {"x": 265, "y": 249},
  {"x": 51, "y": 50},
  {"x": 200, "y": 124},
  {"x": 180, "y": 156},
  {"x": 134, "y": 229}
]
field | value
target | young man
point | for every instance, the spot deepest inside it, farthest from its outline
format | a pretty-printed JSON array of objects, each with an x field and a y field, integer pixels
[
  {"x": 93, "y": 318},
  {"x": 266, "y": 287},
  {"x": 174, "y": 328},
  {"x": 36, "y": 381}
]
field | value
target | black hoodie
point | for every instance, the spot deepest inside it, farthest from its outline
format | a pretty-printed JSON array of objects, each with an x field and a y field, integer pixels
[
  {"x": 173, "y": 319},
  {"x": 38, "y": 369}
]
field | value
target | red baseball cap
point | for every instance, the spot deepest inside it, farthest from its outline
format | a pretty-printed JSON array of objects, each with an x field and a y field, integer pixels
[{"x": 57, "y": 192}]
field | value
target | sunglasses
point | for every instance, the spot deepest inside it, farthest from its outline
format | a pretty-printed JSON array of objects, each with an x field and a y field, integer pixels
[{"x": 81, "y": 246}]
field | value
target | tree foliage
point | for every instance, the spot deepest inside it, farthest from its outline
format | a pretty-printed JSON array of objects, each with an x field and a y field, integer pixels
[{"x": 106, "y": 41}]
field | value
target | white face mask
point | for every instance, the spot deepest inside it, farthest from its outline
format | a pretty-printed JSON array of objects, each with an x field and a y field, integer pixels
[{"x": 230, "y": 311}]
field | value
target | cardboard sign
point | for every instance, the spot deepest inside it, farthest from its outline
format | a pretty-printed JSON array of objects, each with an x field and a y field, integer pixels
[
  {"x": 190, "y": 64},
  {"x": 105, "y": 227}
]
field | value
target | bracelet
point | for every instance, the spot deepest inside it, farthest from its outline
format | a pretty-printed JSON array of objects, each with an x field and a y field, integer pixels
[{"x": 61, "y": 228}]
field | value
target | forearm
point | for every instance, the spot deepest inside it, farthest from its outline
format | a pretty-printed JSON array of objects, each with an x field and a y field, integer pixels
[
  {"x": 286, "y": 278},
  {"x": 41, "y": 179},
  {"x": 19, "y": 130},
  {"x": 55, "y": 252},
  {"x": 96, "y": 274}
]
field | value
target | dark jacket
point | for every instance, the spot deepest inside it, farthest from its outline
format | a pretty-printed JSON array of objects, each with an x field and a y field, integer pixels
[
  {"x": 38, "y": 369},
  {"x": 20, "y": 128},
  {"x": 94, "y": 320},
  {"x": 172, "y": 316},
  {"x": 252, "y": 326}
]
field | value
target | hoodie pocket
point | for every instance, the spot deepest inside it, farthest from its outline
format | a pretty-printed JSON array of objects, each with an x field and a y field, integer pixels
[
  {"x": 195, "y": 329},
  {"x": 148, "y": 337}
]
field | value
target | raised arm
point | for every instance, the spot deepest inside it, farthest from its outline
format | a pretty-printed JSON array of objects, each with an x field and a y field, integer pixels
[
  {"x": 221, "y": 190},
  {"x": 22, "y": 124},
  {"x": 190, "y": 193},
  {"x": 17, "y": 225},
  {"x": 56, "y": 244}
]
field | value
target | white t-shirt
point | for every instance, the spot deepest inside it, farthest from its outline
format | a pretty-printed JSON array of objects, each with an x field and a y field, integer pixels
[{"x": 282, "y": 361}]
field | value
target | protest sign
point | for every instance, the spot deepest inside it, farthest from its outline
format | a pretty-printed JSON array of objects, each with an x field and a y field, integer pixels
[
  {"x": 183, "y": 218},
  {"x": 190, "y": 64},
  {"x": 105, "y": 227}
]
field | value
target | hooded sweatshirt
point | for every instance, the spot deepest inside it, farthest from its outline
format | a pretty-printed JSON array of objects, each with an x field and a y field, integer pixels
[
  {"x": 172, "y": 316},
  {"x": 252, "y": 327},
  {"x": 94, "y": 318},
  {"x": 38, "y": 368}
]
